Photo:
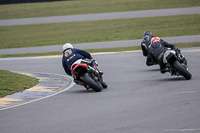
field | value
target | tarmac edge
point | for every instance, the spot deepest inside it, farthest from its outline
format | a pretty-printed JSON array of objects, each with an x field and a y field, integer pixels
[{"x": 49, "y": 85}]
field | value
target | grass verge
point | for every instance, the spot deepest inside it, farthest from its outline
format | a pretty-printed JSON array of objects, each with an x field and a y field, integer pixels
[
  {"x": 97, "y": 31},
  {"x": 13, "y": 82},
  {"x": 29, "y": 10},
  {"x": 118, "y": 49}
]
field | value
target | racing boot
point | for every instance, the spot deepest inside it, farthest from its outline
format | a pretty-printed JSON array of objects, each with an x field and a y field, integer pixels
[
  {"x": 78, "y": 81},
  {"x": 86, "y": 87},
  {"x": 104, "y": 85},
  {"x": 164, "y": 70},
  {"x": 100, "y": 72}
]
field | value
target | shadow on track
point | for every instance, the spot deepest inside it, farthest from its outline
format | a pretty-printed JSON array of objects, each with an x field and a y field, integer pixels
[
  {"x": 83, "y": 91},
  {"x": 173, "y": 79},
  {"x": 152, "y": 70}
]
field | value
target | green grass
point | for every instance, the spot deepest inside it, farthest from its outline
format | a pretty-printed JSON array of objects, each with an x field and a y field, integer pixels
[
  {"x": 12, "y": 82},
  {"x": 187, "y": 45},
  {"x": 118, "y": 49},
  {"x": 97, "y": 31},
  {"x": 88, "y": 7}
]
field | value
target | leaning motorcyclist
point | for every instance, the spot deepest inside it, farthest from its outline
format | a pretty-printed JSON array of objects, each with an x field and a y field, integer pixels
[
  {"x": 157, "y": 50},
  {"x": 147, "y": 37},
  {"x": 72, "y": 56}
]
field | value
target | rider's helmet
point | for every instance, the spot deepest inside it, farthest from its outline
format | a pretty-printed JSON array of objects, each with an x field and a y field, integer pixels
[
  {"x": 155, "y": 39},
  {"x": 66, "y": 46},
  {"x": 147, "y": 33}
]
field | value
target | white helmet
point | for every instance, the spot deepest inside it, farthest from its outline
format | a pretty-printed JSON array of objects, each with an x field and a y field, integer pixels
[{"x": 66, "y": 46}]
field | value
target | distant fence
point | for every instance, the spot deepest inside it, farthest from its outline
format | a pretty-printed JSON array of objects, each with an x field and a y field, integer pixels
[{"x": 25, "y": 1}]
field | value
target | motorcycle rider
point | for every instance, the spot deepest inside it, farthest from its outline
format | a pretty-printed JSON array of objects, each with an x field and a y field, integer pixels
[
  {"x": 147, "y": 37},
  {"x": 158, "y": 51},
  {"x": 71, "y": 56},
  {"x": 146, "y": 42}
]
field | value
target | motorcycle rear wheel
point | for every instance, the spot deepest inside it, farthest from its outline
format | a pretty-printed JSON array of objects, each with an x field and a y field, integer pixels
[
  {"x": 89, "y": 81},
  {"x": 182, "y": 70}
]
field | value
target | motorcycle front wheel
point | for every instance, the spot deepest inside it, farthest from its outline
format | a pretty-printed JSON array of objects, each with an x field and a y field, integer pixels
[
  {"x": 182, "y": 70},
  {"x": 93, "y": 84}
]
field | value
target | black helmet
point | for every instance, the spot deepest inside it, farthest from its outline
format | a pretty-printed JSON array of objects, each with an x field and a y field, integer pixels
[{"x": 147, "y": 33}]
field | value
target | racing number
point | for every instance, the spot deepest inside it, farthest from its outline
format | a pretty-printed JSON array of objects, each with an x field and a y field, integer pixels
[{"x": 68, "y": 54}]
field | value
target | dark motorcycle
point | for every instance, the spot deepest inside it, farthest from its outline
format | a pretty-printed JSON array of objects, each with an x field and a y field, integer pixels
[
  {"x": 88, "y": 75},
  {"x": 177, "y": 64}
]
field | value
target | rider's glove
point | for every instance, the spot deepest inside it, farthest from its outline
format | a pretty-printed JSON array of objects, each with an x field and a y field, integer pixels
[{"x": 172, "y": 46}]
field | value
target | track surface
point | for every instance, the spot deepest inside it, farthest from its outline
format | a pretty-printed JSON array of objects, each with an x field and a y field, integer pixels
[{"x": 139, "y": 100}]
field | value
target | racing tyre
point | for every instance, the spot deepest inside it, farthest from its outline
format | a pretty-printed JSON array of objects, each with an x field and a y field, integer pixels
[
  {"x": 89, "y": 81},
  {"x": 182, "y": 70}
]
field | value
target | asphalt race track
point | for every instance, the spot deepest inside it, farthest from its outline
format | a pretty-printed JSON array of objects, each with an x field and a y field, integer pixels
[
  {"x": 139, "y": 99},
  {"x": 102, "y": 16}
]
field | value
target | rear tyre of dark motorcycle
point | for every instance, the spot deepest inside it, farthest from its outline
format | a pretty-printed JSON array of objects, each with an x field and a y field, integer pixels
[
  {"x": 89, "y": 81},
  {"x": 182, "y": 70}
]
